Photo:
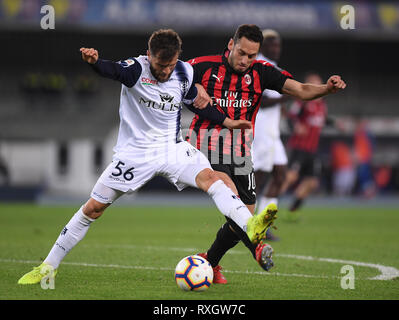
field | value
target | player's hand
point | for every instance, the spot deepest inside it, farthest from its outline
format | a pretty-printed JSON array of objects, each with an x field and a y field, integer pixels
[
  {"x": 89, "y": 55},
  {"x": 237, "y": 124},
  {"x": 335, "y": 83},
  {"x": 202, "y": 99}
]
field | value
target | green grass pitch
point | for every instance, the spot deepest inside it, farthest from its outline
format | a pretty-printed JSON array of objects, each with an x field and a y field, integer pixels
[{"x": 131, "y": 253}]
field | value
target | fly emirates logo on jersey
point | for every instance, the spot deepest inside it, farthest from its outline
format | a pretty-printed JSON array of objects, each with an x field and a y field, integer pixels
[
  {"x": 166, "y": 103},
  {"x": 230, "y": 100}
]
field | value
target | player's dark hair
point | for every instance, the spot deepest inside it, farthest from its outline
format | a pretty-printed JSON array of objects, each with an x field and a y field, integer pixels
[
  {"x": 249, "y": 31},
  {"x": 165, "y": 44}
]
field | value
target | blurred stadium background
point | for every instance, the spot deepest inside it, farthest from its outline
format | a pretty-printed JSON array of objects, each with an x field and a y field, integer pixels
[{"x": 58, "y": 120}]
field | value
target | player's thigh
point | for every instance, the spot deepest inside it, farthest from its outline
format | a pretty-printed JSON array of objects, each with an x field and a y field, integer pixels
[
  {"x": 104, "y": 194},
  {"x": 280, "y": 156},
  {"x": 263, "y": 155},
  {"x": 246, "y": 187},
  {"x": 189, "y": 163},
  {"x": 244, "y": 183}
]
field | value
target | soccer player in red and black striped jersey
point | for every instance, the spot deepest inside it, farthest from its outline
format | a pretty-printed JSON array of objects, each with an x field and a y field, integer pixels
[
  {"x": 235, "y": 81},
  {"x": 308, "y": 119}
]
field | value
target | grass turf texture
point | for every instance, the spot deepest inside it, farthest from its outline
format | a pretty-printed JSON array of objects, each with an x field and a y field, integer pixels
[{"x": 132, "y": 252}]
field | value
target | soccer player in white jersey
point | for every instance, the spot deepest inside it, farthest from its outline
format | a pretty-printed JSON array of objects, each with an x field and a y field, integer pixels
[
  {"x": 154, "y": 88},
  {"x": 268, "y": 153}
]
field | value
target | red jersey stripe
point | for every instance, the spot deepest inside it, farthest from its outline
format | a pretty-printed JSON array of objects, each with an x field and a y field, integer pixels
[{"x": 194, "y": 61}]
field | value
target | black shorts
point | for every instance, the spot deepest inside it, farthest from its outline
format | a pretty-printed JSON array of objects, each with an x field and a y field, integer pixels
[
  {"x": 245, "y": 183},
  {"x": 305, "y": 163}
]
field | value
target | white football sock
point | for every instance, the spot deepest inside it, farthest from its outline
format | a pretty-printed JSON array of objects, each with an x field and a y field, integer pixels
[
  {"x": 264, "y": 202},
  {"x": 73, "y": 232},
  {"x": 229, "y": 204}
]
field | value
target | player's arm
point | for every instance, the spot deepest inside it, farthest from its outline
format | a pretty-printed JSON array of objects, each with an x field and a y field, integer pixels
[
  {"x": 308, "y": 91},
  {"x": 217, "y": 117},
  {"x": 212, "y": 113},
  {"x": 126, "y": 72},
  {"x": 203, "y": 98}
]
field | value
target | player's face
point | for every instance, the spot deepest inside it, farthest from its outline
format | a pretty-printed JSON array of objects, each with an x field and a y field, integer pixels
[
  {"x": 271, "y": 48},
  {"x": 162, "y": 69},
  {"x": 242, "y": 53}
]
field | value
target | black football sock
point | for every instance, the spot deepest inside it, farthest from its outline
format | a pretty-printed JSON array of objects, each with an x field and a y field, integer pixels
[
  {"x": 243, "y": 236},
  {"x": 225, "y": 240},
  {"x": 296, "y": 204}
]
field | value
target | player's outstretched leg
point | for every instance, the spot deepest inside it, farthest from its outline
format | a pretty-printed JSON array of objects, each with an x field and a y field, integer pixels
[
  {"x": 249, "y": 229},
  {"x": 69, "y": 237}
]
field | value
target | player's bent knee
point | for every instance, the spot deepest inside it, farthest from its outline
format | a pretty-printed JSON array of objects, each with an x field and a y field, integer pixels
[
  {"x": 292, "y": 176},
  {"x": 206, "y": 178},
  {"x": 227, "y": 181},
  {"x": 314, "y": 183},
  {"x": 94, "y": 209}
]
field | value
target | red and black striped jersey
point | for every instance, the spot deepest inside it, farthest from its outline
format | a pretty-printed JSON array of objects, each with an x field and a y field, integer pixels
[
  {"x": 237, "y": 95},
  {"x": 311, "y": 116}
]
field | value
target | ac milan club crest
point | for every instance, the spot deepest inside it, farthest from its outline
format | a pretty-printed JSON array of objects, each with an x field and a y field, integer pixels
[{"x": 247, "y": 79}]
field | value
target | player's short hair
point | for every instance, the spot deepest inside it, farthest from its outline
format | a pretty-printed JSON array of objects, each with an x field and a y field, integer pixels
[
  {"x": 165, "y": 44},
  {"x": 270, "y": 34},
  {"x": 249, "y": 31}
]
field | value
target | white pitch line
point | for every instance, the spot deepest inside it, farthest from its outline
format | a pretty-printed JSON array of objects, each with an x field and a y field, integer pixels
[
  {"x": 117, "y": 266},
  {"x": 387, "y": 273}
]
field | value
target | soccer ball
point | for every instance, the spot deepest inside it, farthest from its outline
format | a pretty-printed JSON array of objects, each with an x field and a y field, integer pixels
[{"x": 193, "y": 273}]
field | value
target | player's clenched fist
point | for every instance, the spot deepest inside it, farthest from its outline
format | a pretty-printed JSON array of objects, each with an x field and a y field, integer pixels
[
  {"x": 335, "y": 83},
  {"x": 237, "y": 124},
  {"x": 89, "y": 55}
]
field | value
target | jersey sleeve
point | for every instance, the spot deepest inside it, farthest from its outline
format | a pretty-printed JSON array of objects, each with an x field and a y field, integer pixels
[
  {"x": 272, "y": 77},
  {"x": 189, "y": 90},
  {"x": 210, "y": 112},
  {"x": 125, "y": 71},
  {"x": 190, "y": 95},
  {"x": 199, "y": 65}
]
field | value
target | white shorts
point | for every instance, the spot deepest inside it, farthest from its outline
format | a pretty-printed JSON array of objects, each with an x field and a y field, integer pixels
[
  {"x": 179, "y": 163},
  {"x": 268, "y": 152}
]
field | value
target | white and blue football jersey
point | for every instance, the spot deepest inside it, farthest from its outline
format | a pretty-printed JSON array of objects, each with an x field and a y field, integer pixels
[{"x": 150, "y": 110}]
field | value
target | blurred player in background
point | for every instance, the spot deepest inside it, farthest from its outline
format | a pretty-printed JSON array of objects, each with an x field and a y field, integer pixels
[
  {"x": 343, "y": 169},
  {"x": 235, "y": 81},
  {"x": 150, "y": 143},
  {"x": 308, "y": 119},
  {"x": 268, "y": 151},
  {"x": 364, "y": 144}
]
